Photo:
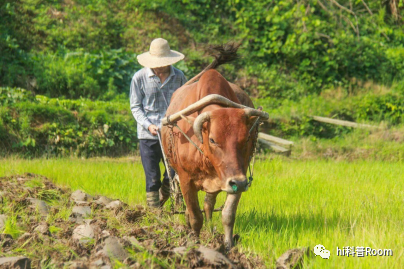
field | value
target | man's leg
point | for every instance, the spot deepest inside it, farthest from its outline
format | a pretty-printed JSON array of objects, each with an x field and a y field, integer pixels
[
  {"x": 165, "y": 188},
  {"x": 150, "y": 156}
]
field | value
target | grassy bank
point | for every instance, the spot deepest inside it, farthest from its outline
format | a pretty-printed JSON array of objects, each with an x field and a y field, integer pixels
[
  {"x": 37, "y": 126},
  {"x": 291, "y": 203}
]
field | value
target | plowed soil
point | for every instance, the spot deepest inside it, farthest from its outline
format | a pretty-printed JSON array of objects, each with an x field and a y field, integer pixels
[{"x": 57, "y": 228}]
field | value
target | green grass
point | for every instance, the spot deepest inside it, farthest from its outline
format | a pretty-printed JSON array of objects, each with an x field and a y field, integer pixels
[
  {"x": 291, "y": 203},
  {"x": 358, "y": 144}
]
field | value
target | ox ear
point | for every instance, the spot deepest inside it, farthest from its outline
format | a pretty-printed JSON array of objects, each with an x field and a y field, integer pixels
[
  {"x": 251, "y": 120},
  {"x": 188, "y": 119}
]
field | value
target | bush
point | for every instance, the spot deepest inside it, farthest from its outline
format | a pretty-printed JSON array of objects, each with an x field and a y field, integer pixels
[
  {"x": 60, "y": 127},
  {"x": 101, "y": 75},
  {"x": 293, "y": 118},
  {"x": 289, "y": 48}
]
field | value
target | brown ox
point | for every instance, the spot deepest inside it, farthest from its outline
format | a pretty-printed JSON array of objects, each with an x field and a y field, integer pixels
[{"x": 222, "y": 134}]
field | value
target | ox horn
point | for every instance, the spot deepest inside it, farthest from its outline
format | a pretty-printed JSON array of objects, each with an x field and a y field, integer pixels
[
  {"x": 205, "y": 101},
  {"x": 206, "y": 116},
  {"x": 253, "y": 112},
  {"x": 198, "y": 123}
]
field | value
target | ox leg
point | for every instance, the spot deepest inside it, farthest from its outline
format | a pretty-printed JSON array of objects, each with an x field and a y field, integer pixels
[
  {"x": 228, "y": 217},
  {"x": 209, "y": 204},
  {"x": 187, "y": 216},
  {"x": 193, "y": 212}
]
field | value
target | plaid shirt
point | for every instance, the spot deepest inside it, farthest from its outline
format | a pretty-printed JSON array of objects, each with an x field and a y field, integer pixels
[{"x": 148, "y": 97}]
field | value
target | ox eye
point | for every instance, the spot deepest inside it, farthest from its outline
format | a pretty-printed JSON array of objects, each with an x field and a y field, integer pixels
[{"x": 212, "y": 141}]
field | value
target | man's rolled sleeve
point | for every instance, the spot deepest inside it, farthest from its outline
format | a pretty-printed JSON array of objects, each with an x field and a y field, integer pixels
[{"x": 136, "y": 105}]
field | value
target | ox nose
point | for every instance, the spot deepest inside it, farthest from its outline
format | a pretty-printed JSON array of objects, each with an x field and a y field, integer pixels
[{"x": 237, "y": 185}]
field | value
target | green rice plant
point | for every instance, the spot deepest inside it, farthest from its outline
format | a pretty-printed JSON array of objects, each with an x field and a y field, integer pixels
[
  {"x": 11, "y": 227},
  {"x": 54, "y": 229},
  {"x": 34, "y": 183},
  {"x": 49, "y": 195},
  {"x": 292, "y": 203}
]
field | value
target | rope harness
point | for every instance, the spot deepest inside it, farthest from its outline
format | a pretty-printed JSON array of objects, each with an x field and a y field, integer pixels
[
  {"x": 252, "y": 156},
  {"x": 175, "y": 194}
]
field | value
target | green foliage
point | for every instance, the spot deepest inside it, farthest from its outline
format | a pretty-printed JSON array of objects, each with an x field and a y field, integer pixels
[
  {"x": 75, "y": 49},
  {"x": 100, "y": 75},
  {"x": 68, "y": 53},
  {"x": 293, "y": 118},
  {"x": 54, "y": 229},
  {"x": 296, "y": 48},
  {"x": 55, "y": 127},
  {"x": 11, "y": 228},
  {"x": 10, "y": 96}
]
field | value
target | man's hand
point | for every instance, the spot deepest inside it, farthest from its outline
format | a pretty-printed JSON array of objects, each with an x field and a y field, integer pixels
[{"x": 153, "y": 129}]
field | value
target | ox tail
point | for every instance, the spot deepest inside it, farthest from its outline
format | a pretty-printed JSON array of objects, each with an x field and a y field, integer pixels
[{"x": 224, "y": 53}]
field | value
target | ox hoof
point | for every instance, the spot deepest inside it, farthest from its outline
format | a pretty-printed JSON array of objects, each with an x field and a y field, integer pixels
[
  {"x": 193, "y": 239},
  {"x": 236, "y": 239},
  {"x": 229, "y": 245},
  {"x": 227, "y": 248}
]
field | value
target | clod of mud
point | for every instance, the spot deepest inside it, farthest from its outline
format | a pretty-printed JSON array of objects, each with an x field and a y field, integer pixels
[
  {"x": 6, "y": 240},
  {"x": 99, "y": 260},
  {"x": 104, "y": 234},
  {"x": 3, "y": 219},
  {"x": 215, "y": 258},
  {"x": 24, "y": 237},
  {"x": 100, "y": 264},
  {"x": 2, "y": 195},
  {"x": 82, "y": 210},
  {"x": 102, "y": 200},
  {"x": 136, "y": 265},
  {"x": 133, "y": 241},
  {"x": 134, "y": 215},
  {"x": 76, "y": 265},
  {"x": 292, "y": 259},
  {"x": 82, "y": 203},
  {"x": 79, "y": 195},
  {"x": 15, "y": 263},
  {"x": 76, "y": 218},
  {"x": 43, "y": 229},
  {"x": 39, "y": 205},
  {"x": 209, "y": 256},
  {"x": 114, "y": 205},
  {"x": 114, "y": 249},
  {"x": 97, "y": 263},
  {"x": 83, "y": 233}
]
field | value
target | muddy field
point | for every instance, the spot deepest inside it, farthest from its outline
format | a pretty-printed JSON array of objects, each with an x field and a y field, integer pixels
[{"x": 45, "y": 226}]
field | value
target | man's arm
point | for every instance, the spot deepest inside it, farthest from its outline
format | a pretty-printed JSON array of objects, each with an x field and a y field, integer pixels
[{"x": 136, "y": 97}]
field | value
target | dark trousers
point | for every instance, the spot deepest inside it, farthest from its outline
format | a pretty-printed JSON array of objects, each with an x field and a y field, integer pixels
[{"x": 151, "y": 155}]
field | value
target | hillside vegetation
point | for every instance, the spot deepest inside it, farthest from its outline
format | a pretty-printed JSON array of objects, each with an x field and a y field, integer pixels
[{"x": 65, "y": 66}]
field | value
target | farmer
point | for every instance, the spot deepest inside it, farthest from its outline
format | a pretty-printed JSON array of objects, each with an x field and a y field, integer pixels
[{"x": 151, "y": 90}]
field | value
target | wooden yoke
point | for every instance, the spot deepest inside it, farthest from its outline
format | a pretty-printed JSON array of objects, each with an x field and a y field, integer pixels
[{"x": 205, "y": 101}]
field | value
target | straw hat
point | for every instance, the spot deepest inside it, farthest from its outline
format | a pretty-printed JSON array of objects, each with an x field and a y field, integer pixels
[{"x": 159, "y": 55}]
